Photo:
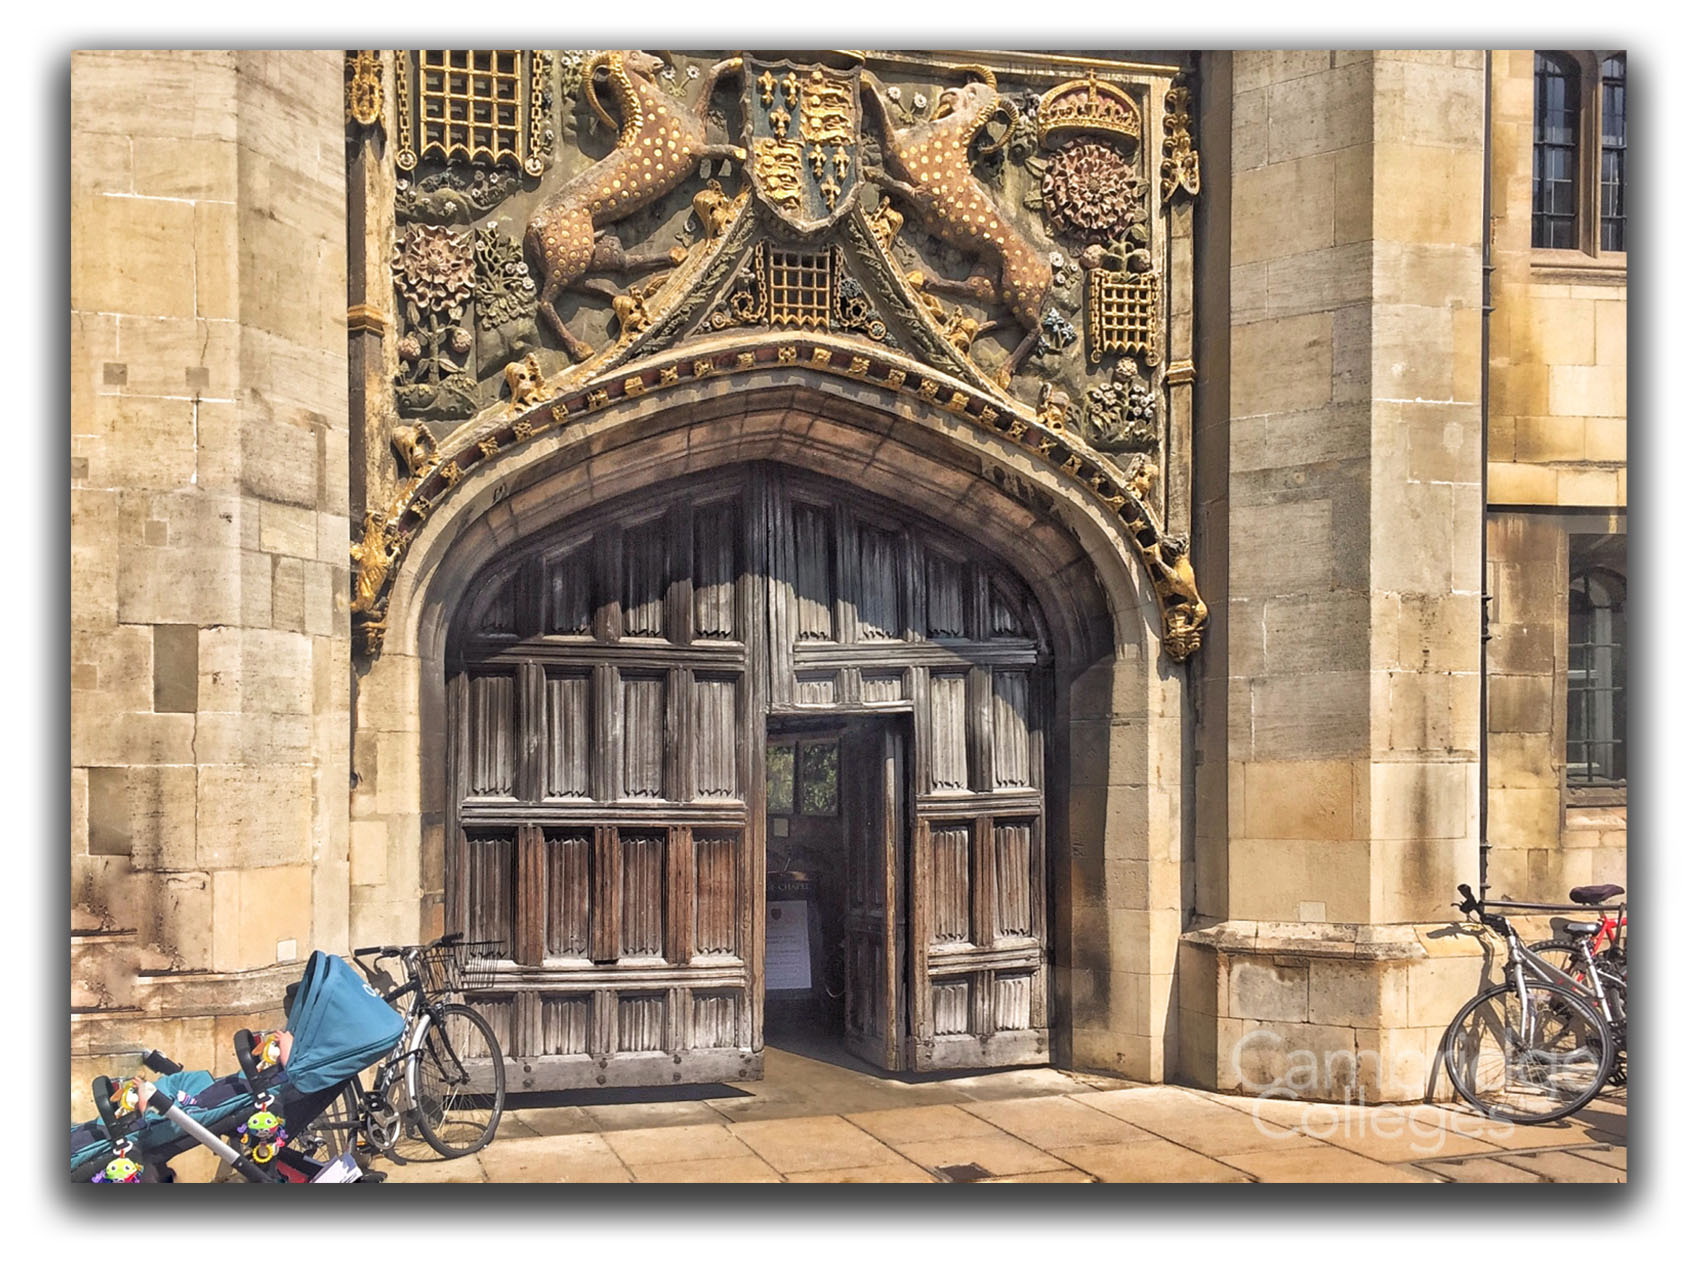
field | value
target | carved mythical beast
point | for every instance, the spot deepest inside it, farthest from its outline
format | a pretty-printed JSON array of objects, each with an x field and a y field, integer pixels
[
  {"x": 930, "y": 166},
  {"x": 659, "y": 146}
]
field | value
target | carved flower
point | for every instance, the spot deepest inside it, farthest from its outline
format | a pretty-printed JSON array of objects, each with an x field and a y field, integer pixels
[
  {"x": 410, "y": 347},
  {"x": 920, "y": 103},
  {"x": 432, "y": 266},
  {"x": 460, "y": 341},
  {"x": 1091, "y": 191}
]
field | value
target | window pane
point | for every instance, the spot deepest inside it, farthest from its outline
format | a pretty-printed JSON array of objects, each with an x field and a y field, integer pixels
[
  {"x": 1613, "y": 153},
  {"x": 817, "y": 777},
  {"x": 1596, "y": 745},
  {"x": 1557, "y": 101},
  {"x": 781, "y": 779}
]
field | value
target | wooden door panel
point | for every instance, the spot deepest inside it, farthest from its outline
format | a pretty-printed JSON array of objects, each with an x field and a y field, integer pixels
[{"x": 874, "y": 789}]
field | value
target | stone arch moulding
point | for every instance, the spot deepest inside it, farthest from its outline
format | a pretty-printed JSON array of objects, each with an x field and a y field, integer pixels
[
  {"x": 473, "y": 469},
  {"x": 1113, "y": 965}
]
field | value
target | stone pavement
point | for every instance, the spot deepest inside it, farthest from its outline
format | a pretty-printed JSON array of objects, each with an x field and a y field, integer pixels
[{"x": 813, "y": 1121}]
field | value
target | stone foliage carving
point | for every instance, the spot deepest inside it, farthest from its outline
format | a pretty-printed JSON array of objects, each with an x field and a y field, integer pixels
[
  {"x": 434, "y": 278},
  {"x": 504, "y": 289},
  {"x": 1091, "y": 192}
]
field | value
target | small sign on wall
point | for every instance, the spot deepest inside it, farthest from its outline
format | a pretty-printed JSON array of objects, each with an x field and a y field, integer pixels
[{"x": 788, "y": 966}]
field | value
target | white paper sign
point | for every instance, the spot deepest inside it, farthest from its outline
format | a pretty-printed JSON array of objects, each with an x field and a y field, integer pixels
[{"x": 787, "y": 946}]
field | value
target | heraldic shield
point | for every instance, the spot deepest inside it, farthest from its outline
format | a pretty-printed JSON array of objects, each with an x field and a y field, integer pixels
[{"x": 803, "y": 134}]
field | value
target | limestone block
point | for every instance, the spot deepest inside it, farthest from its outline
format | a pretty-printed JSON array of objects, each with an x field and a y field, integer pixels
[
  {"x": 1589, "y": 390},
  {"x": 1260, "y": 990},
  {"x": 1353, "y": 194},
  {"x": 1465, "y": 349},
  {"x": 1606, "y": 439},
  {"x": 1584, "y": 487},
  {"x": 185, "y": 919},
  {"x": 1432, "y": 712},
  {"x": 1411, "y": 537},
  {"x": 1320, "y": 280},
  {"x": 1426, "y": 103},
  {"x": 244, "y": 737},
  {"x": 254, "y": 816},
  {"x": 281, "y": 459},
  {"x": 1311, "y": 715},
  {"x": 1524, "y": 817},
  {"x": 1520, "y": 704},
  {"x": 1281, "y": 548},
  {"x": 183, "y": 167},
  {"x": 161, "y": 805},
  {"x": 369, "y": 853},
  {"x": 151, "y": 440},
  {"x": 1317, "y": 113},
  {"x": 108, "y": 89},
  {"x": 1415, "y": 880},
  {"x": 1285, "y": 208},
  {"x": 1438, "y": 987},
  {"x": 1521, "y": 760},
  {"x": 288, "y": 529},
  {"x": 1301, "y": 799},
  {"x": 1282, "y": 365},
  {"x": 1610, "y": 324},
  {"x": 1348, "y": 993},
  {"x": 178, "y": 585},
  {"x": 1429, "y": 632},
  {"x": 122, "y": 663},
  {"x": 1270, "y": 879},
  {"x": 288, "y": 594},
  {"x": 1427, "y": 193},
  {"x": 1430, "y": 274},
  {"x": 1418, "y": 799},
  {"x": 1321, "y": 632},
  {"x": 134, "y": 254},
  {"x": 253, "y": 909},
  {"x": 1438, "y": 442},
  {"x": 1250, "y": 129}
]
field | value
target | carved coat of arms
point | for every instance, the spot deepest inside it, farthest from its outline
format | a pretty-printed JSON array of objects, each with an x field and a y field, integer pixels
[{"x": 802, "y": 132}]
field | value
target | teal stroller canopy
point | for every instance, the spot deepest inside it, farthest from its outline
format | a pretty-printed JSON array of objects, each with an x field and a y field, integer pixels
[{"x": 341, "y": 1025}]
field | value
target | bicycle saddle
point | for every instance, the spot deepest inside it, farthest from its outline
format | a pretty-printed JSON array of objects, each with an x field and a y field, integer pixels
[{"x": 1595, "y": 895}]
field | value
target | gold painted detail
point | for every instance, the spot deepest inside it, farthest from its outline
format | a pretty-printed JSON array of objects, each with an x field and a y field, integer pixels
[
  {"x": 475, "y": 104},
  {"x": 363, "y": 318},
  {"x": 828, "y": 111},
  {"x": 524, "y": 384},
  {"x": 1122, "y": 314},
  {"x": 362, "y": 73},
  {"x": 416, "y": 447},
  {"x": 799, "y": 288},
  {"x": 1180, "y": 373},
  {"x": 1179, "y": 159},
  {"x": 405, "y": 157},
  {"x": 1088, "y": 105},
  {"x": 777, "y": 171},
  {"x": 1125, "y": 495}
]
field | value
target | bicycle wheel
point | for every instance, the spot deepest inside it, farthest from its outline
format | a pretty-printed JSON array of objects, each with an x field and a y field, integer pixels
[
  {"x": 1616, "y": 995},
  {"x": 1528, "y": 1063},
  {"x": 338, "y": 1129},
  {"x": 1568, "y": 957},
  {"x": 457, "y": 1082}
]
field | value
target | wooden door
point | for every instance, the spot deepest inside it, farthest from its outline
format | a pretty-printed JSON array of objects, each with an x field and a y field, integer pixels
[
  {"x": 605, "y": 812},
  {"x": 876, "y": 613},
  {"x": 609, "y": 690},
  {"x": 874, "y": 778}
]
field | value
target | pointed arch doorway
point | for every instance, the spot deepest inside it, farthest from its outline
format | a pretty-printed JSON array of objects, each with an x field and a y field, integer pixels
[{"x": 614, "y": 686}]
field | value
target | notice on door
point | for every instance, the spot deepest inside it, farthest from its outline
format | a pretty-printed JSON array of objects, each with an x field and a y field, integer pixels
[{"x": 787, "y": 946}]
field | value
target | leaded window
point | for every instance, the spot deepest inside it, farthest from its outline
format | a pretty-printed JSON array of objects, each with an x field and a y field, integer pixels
[
  {"x": 1557, "y": 121},
  {"x": 1597, "y": 747}
]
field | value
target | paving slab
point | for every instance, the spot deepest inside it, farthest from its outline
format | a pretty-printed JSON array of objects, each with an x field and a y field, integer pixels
[
  {"x": 1482, "y": 1172},
  {"x": 880, "y": 1174},
  {"x": 1320, "y": 1163},
  {"x": 671, "y": 1145},
  {"x": 651, "y": 1115},
  {"x": 578, "y": 1158},
  {"x": 733, "y": 1170},
  {"x": 922, "y": 1123},
  {"x": 1056, "y": 1121},
  {"x": 1566, "y": 1165},
  {"x": 1193, "y": 1120},
  {"x": 799, "y": 1145},
  {"x": 998, "y": 1153},
  {"x": 1148, "y": 1162}
]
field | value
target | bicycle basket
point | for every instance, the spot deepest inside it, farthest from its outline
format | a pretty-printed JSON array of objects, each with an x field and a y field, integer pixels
[{"x": 468, "y": 965}]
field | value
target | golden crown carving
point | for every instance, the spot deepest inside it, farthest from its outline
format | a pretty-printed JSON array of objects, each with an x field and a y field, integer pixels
[{"x": 1085, "y": 105}]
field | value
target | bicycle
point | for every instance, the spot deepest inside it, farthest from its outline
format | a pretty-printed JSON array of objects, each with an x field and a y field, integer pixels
[
  {"x": 1594, "y": 957},
  {"x": 444, "y": 1080},
  {"x": 1531, "y": 1049}
]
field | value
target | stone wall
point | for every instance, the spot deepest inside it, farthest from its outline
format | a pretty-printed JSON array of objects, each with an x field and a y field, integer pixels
[
  {"x": 1340, "y": 724},
  {"x": 209, "y": 542},
  {"x": 1557, "y": 451}
]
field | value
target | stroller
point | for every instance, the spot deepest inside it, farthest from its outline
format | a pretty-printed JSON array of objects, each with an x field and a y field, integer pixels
[{"x": 337, "y": 1027}]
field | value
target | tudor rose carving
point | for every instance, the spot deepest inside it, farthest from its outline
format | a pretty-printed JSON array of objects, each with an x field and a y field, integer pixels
[{"x": 659, "y": 146}]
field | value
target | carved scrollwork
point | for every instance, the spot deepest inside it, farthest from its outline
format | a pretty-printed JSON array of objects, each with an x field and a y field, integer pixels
[
  {"x": 363, "y": 78},
  {"x": 1179, "y": 159}
]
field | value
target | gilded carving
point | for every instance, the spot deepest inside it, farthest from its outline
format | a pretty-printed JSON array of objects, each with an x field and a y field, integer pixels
[
  {"x": 363, "y": 78},
  {"x": 1179, "y": 159},
  {"x": 525, "y": 386},
  {"x": 930, "y": 165},
  {"x": 416, "y": 447},
  {"x": 777, "y": 172},
  {"x": 433, "y": 271},
  {"x": 1184, "y": 613},
  {"x": 659, "y": 146},
  {"x": 1087, "y": 105},
  {"x": 714, "y": 211},
  {"x": 372, "y": 556}
]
